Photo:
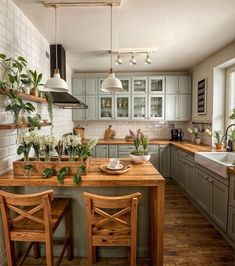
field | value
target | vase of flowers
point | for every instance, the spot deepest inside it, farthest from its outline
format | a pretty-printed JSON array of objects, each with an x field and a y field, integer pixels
[
  {"x": 139, "y": 155},
  {"x": 47, "y": 144},
  {"x": 196, "y": 134},
  {"x": 217, "y": 134},
  {"x": 35, "y": 140},
  {"x": 25, "y": 145},
  {"x": 71, "y": 143}
]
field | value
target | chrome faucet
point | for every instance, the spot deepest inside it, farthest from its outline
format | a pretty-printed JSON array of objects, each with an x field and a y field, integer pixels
[{"x": 228, "y": 143}]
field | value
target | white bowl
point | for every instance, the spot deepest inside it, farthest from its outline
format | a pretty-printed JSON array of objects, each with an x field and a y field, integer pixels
[{"x": 139, "y": 158}]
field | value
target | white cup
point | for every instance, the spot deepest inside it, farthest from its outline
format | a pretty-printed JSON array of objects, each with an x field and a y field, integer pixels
[{"x": 114, "y": 162}]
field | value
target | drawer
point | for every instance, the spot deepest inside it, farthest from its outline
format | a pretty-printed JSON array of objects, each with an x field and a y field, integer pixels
[
  {"x": 126, "y": 148},
  {"x": 186, "y": 155}
]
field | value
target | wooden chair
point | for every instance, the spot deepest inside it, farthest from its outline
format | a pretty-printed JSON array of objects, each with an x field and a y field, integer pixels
[
  {"x": 34, "y": 218},
  {"x": 111, "y": 221}
]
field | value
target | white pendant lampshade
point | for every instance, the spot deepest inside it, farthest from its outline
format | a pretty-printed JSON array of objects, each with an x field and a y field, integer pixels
[
  {"x": 111, "y": 83},
  {"x": 56, "y": 84}
]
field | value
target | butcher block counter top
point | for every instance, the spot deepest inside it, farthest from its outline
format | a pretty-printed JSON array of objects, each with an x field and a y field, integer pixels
[
  {"x": 141, "y": 175},
  {"x": 231, "y": 170},
  {"x": 185, "y": 145}
]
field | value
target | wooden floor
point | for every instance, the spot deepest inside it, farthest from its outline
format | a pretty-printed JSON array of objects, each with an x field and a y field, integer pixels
[{"x": 190, "y": 240}]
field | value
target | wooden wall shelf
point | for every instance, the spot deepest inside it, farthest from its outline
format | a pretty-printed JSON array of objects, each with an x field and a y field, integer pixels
[
  {"x": 29, "y": 97},
  {"x": 13, "y": 126}
]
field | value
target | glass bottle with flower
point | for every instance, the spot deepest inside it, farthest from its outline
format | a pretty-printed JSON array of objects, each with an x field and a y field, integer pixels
[
  {"x": 71, "y": 143},
  {"x": 196, "y": 134},
  {"x": 25, "y": 145},
  {"x": 35, "y": 140},
  {"x": 47, "y": 144},
  {"x": 84, "y": 150}
]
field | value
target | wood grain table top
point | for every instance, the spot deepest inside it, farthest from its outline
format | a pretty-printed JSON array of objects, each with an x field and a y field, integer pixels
[{"x": 140, "y": 175}]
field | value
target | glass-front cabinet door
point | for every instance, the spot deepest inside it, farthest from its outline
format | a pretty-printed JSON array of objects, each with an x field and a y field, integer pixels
[
  {"x": 157, "y": 84},
  {"x": 122, "y": 107},
  {"x": 106, "y": 110},
  {"x": 156, "y": 107},
  {"x": 126, "y": 84},
  {"x": 139, "y": 107},
  {"x": 139, "y": 84}
]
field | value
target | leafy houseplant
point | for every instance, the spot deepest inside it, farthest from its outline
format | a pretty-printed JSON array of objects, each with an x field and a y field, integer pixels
[
  {"x": 139, "y": 139},
  {"x": 25, "y": 146},
  {"x": 217, "y": 134},
  {"x": 35, "y": 140},
  {"x": 34, "y": 122},
  {"x": 35, "y": 79},
  {"x": 232, "y": 116}
]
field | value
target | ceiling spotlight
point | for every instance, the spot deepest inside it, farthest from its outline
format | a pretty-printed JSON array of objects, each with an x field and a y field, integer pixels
[
  {"x": 119, "y": 60},
  {"x": 132, "y": 61},
  {"x": 148, "y": 59}
]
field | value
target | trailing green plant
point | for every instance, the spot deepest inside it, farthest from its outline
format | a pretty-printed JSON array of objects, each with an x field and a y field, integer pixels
[
  {"x": 49, "y": 99},
  {"x": 13, "y": 75},
  {"x": 35, "y": 78},
  {"x": 78, "y": 177},
  {"x": 48, "y": 172},
  {"x": 34, "y": 122},
  {"x": 62, "y": 173}
]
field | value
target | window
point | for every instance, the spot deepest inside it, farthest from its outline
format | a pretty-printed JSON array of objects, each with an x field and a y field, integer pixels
[{"x": 230, "y": 93}]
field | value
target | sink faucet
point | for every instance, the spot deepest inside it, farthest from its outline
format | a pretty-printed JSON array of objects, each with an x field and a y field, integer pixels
[{"x": 225, "y": 136}]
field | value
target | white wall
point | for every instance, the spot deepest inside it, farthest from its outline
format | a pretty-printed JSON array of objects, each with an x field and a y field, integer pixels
[{"x": 18, "y": 36}]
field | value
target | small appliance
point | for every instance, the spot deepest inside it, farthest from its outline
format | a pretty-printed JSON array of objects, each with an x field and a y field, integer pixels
[{"x": 177, "y": 134}]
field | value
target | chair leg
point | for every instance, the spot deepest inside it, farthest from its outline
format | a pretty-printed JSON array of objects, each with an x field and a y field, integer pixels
[
  {"x": 49, "y": 252},
  {"x": 93, "y": 254},
  {"x": 133, "y": 255},
  {"x": 89, "y": 253},
  {"x": 36, "y": 250},
  {"x": 10, "y": 249},
  {"x": 68, "y": 232}
]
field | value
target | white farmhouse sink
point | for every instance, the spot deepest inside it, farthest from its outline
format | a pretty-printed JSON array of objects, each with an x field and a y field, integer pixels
[{"x": 216, "y": 161}]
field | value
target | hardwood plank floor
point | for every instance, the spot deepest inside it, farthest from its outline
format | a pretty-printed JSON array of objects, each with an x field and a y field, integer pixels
[{"x": 189, "y": 240}]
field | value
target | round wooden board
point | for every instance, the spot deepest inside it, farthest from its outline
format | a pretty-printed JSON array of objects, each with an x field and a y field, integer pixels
[{"x": 126, "y": 168}]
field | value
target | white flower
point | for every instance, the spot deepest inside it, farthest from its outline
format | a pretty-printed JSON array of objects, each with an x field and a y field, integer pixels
[
  {"x": 208, "y": 132},
  {"x": 72, "y": 140},
  {"x": 196, "y": 130},
  {"x": 190, "y": 130},
  {"x": 25, "y": 139},
  {"x": 92, "y": 143}
]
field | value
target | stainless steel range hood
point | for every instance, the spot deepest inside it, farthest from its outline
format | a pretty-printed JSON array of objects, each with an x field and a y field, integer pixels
[{"x": 67, "y": 101}]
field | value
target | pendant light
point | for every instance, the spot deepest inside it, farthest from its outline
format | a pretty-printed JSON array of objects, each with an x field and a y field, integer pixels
[
  {"x": 111, "y": 83},
  {"x": 56, "y": 84}
]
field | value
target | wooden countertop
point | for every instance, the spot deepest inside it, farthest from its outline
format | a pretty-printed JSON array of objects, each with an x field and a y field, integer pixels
[
  {"x": 185, "y": 145},
  {"x": 140, "y": 175},
  {"x": 231, "y": 170}
]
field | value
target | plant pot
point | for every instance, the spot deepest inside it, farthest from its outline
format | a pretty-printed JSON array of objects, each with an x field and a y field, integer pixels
[
  {"x": 197, "y": 141},
  {"x": 26, "y": 89},
  {"x": 219, "y": 145},
  {"x": 34, "y": 91},
  {"x": 139, "y": 158}
]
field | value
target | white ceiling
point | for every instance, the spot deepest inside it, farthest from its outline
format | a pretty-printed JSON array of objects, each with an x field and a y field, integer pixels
[{"x": 183, "y": 32}]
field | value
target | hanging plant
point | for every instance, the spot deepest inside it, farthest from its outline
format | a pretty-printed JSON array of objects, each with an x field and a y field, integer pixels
[{"x": 49, "y": 99}]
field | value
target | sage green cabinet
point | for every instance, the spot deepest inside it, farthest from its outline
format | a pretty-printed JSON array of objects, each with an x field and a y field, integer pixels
[
  {"x": 79, "y": 86},
  {"x": 212, "y": 196},
  {"x": 231, "y": 223},
  {"x": 124, "y": 150},
  {"x": 232, "y": 190},
  {"x": 154, "y": 155},
  {"x": 181, "y": 173},
  {"x": 174, "y": 163},
  {"x": 106, "y": 151},
  {"x": 79, "y": 114},
  {"x": 91, "y": 111},
  {"x": 164, "y": 160},
  {"x": 172, "y": 84}
]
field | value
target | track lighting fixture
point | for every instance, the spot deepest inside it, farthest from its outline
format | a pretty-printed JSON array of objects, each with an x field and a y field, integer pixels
[
  {"x": 119, "y": 60},
  {"x": 132, "y": 53},
  {"x": 148, "y": 60},
  {"x": 132, "y": 61}
]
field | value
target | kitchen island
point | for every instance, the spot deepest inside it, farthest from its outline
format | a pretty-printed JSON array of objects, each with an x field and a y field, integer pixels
[{"x": 140, "y": 176}]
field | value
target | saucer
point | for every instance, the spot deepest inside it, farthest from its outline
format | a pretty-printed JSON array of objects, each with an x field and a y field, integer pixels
[{"x": 119, "y": 167}]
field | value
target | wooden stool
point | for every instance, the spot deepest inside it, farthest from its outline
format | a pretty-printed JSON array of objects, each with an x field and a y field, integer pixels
[
  {"x": 111, "y": 221},
  {"x": 34, "y": 218}
]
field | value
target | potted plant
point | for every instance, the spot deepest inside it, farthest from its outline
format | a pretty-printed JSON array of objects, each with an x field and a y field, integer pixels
[
  {"x": 47, "y": 144},
  {"x": 35, "y": 140},
  {"x": 232, "y": 138},
  {"x": 139, "y": 155},
  {"x": 196, "y": 134},
  {"x": 25, "y": 145},
  {"x": 232, "y": 116},
  {"x": 217, "y": 134},
  {"x": 35, "y": 79}
]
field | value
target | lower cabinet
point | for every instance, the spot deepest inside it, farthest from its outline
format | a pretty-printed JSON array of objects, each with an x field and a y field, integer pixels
[
  {"x": 154, "y": 155},
  {"x": 231, "y": 223},
  {"x": 106, "y": 151},
  {"x": 212, "y": 196},
  {"x": 174, "y": 163},
  {"x": 164, "y": 160}
]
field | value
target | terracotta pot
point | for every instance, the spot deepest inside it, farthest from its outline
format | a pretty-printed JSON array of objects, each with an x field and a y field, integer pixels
[
  {"x": 219, "y": 146},
  {"x": 34, "y": 91},
  {"x": 197, "y": 141}
]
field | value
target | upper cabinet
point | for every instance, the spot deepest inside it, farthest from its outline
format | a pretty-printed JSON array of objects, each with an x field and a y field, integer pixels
[
  {"x": 143, "y": 98},
  {"x": 157, "y": 84},
  {"x": 139, "y": 85}
]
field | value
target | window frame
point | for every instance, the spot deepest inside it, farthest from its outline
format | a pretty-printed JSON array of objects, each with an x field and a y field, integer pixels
[{"x": 228, "y": 106}]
